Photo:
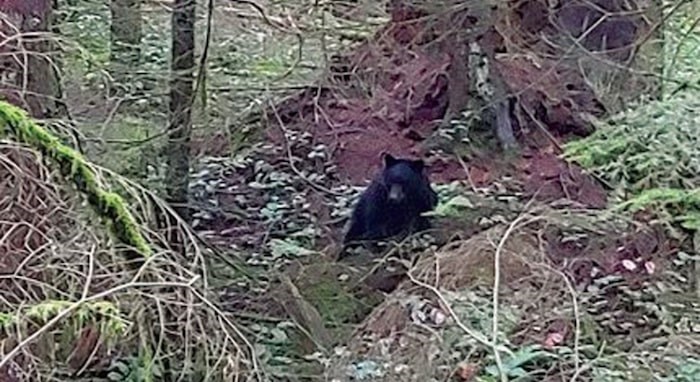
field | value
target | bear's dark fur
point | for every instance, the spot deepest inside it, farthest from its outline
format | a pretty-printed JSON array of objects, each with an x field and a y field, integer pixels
[{"x": 393, "y": 203}]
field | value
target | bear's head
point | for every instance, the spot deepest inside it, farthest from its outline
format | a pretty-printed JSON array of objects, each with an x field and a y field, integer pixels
[{"x": 404, "y": 179}]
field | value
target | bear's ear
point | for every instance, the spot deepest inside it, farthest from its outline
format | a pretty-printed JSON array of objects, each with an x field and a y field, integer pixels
[
  {"x": 389, "y": 160},
  {"x": 418, "y": 165}
]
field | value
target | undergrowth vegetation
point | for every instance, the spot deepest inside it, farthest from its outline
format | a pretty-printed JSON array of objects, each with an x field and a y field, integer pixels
[{"x": 651, "y": 155}]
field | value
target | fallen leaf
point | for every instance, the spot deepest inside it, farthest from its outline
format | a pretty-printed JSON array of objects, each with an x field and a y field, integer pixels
[
  {"x": 629, "y": 265},
  {"x": 553, "y": 339},
  {"x": 466, "y": 371}
]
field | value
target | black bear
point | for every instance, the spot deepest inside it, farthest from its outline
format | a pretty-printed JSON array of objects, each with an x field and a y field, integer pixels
[{"x": 393, "y": 202}]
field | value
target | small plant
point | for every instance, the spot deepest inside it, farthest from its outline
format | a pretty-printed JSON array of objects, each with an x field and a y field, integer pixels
[
  {"x": 514, "y": 365},
  {"x": 686, "y": 371},
  {"x": 136, "y": 369}
]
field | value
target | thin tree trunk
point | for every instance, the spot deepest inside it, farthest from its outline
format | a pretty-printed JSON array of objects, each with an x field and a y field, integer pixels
[
  {"x": 658, "y": 46},
  {"x": 61, "y": 108},
  {"x": 125, "y": 38},
  {"x": 181, "y": 96}
]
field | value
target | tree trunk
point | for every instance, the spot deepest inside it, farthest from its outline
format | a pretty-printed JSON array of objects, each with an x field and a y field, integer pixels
[
  {"x": 125, "y": 49},
  {"x": 61, "y": 108},
  {"x": 29, "y": 77},
  {"x": 658, "y": 45},
  {"x": 44, "y": 92},
  {"x": 181, "y": 97}
]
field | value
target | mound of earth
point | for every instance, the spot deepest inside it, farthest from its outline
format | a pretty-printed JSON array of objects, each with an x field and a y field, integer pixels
[{"x": 438, "y": 324}]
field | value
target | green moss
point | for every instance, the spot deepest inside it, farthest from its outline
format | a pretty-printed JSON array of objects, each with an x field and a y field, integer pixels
[{"x": 74, "y": 167}]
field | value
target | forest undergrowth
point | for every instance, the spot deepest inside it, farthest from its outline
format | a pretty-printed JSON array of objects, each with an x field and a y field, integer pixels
[{"x": 536, "y": 269}]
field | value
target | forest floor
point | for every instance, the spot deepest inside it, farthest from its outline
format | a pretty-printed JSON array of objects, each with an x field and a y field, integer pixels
[{"x": 571, "y": 273}]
